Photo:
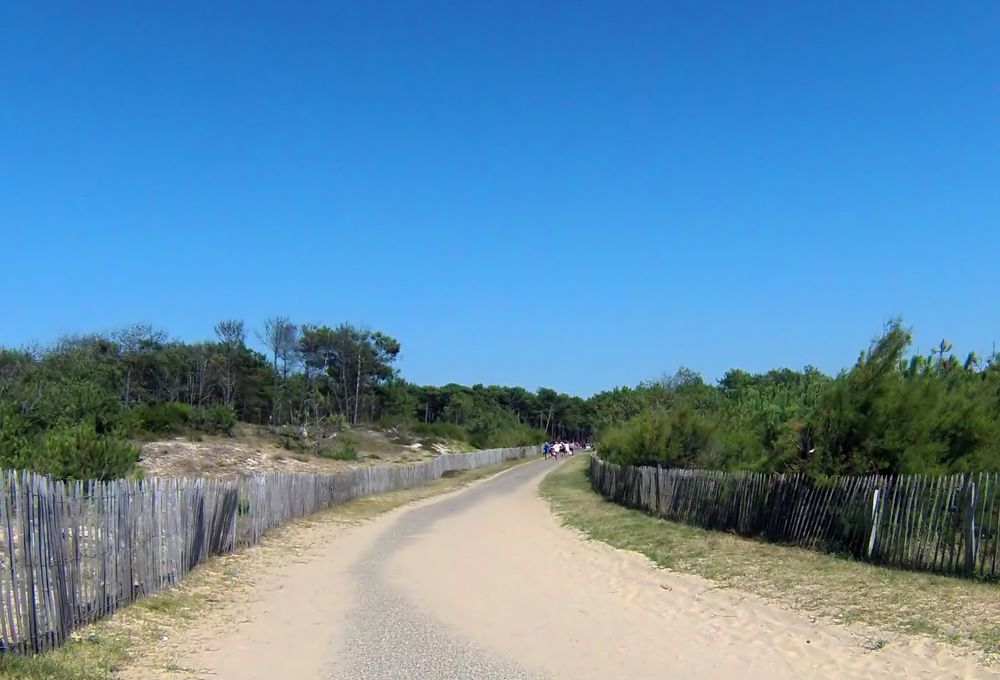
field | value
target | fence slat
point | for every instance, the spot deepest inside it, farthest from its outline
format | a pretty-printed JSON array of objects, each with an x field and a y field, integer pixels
[
  {"x": 939, "y": 523},
  {"x": 73, "y": 552}
]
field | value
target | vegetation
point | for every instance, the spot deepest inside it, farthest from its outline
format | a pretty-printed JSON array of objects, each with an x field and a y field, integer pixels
[
  {"x": 74, "y": 408},
  {"x": 952, "y": 610},
  {"x": 889, "y": 413},
  {"x": 344, "y": 450}
]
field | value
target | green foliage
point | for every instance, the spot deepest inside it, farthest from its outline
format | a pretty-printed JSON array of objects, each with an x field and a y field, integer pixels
[
  {"x": 65, "y": 449},
  {"x": 441, "y": 430},
  {"x": 677, "y": 438},
  {"x": 345, "y": 449},
  {"x": 68, "y": 408},
  {"x": 887, "y": 414},
  {"x": 164, "y": 418},
  {"x": 346, "y": 364},
  {"x": 485, "y": 429},
  {"x": 173, "y": 417},
  {"x": 17, "y": 442},
  {"x": 216, "y": 419},
  {"x": 135, "y": 382},
  {"x": 80, "y": 452}
]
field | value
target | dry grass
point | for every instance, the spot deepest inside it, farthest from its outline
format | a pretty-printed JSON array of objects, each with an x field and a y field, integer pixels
[
  {"x": 252, "y": 450},
  {"x": 886, "y": 601},
  {"x": 139, "y": 639}
]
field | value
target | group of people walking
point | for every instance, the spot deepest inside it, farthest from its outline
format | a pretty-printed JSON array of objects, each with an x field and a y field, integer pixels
[{"x": 559, "y": 449}]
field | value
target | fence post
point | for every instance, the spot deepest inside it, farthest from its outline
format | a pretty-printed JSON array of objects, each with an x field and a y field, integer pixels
[
  {"x": 873, "y": 532},
  {"x": 656, "y": 503},
  {"x": 969, "y": 528}
]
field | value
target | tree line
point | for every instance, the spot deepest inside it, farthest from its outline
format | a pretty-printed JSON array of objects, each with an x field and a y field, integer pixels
[
  {"x": 891, "y": 412},
  {"x": 74, "y": 408}
]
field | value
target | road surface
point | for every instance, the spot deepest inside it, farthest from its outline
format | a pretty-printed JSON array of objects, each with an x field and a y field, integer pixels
[{"x": 485, "y": 583}]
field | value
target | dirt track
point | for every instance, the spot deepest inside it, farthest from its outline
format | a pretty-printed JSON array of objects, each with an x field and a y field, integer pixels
[{"x": 485, "y": 584}]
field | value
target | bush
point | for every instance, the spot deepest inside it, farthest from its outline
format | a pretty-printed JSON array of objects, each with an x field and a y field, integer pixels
[
  {"x": 172, "y": 417},
  {"x": 216, "y": 419},
  {"x": 678, "y": 438},
  {"x": 444, "y": 430},
  {"x": 79, "y": 452},
  {"x": 165, "y": 418},
  {"x": 291, "y": 441},
  {"x": 510, "y": 435},
  {"x": 346, "y": 449}
]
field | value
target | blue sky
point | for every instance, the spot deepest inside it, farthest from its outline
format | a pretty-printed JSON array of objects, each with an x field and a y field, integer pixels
[{"x": 570, "y": 194}]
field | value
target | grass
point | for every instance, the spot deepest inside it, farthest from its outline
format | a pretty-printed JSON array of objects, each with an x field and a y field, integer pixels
[
  {"x": 97, "y": 655},
  {"x": 953, "y": 610},
  {"x": 144, "y": 633}
]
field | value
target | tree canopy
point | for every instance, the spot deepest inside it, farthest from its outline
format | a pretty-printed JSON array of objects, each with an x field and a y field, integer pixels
[
  {"x": 888, "y": 413},
  {"x": 73, "y": 408}
]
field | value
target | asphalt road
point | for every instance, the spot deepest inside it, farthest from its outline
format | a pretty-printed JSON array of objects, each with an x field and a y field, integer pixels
[{"x": 388, "y": 637}]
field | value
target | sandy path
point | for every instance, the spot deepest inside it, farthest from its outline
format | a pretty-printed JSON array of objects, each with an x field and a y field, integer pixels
[{"x": 485, "y": 584}]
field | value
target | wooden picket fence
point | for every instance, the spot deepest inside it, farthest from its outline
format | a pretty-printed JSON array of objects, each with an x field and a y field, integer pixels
[
  {"x": 73, "y": 552},
  {"x": 948, "y": 523}
]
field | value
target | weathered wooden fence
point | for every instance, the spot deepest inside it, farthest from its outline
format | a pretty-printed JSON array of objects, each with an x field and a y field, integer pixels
[
  {"x": 945, "y": 524},
  {"x": 73, "y": 552}
]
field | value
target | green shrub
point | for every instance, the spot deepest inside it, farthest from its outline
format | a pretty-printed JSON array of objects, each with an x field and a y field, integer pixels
[
  {"x": 442, "y": 429},
  {"x": 346, "y": 449},
  {"x": 17, "y": 445},
  {"x": 509, "y": 435},
  {"x": 678, "y": 438},
  {"x": 291, "y": 441},
  {"x": 216, "y": 419},
  {"x": 79, "y": 452},
  {"x": 168, "y": 417}
]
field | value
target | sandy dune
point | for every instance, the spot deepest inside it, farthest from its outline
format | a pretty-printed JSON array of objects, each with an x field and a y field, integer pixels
[{"x": 484, "y": 583}]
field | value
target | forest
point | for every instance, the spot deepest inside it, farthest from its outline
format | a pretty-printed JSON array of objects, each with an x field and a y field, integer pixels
[
  {"x": 75, "y": 408},
  {"x": 891, "y": 412}
]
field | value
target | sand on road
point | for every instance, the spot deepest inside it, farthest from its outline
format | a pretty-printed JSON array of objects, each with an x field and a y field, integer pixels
[{"x": 485, "y": 583}]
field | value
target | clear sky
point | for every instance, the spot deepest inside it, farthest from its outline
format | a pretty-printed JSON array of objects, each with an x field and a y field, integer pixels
[{"x": 570, "y": 194}]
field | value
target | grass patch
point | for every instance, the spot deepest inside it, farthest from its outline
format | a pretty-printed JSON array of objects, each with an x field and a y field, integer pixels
[
  {"x": 145, "y": 634},
  {"x": 169, "y": 604},
  {"x": 948, "y": 609},
  {"x": 95, "y": 655}
]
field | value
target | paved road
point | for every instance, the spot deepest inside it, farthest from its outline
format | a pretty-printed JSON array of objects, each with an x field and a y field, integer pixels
[
  {"x": 387, "y": 636},
  {"x": 486, "y": 584}
]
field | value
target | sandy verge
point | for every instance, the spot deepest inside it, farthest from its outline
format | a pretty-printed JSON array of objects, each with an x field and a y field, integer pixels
[
  {"x": 508, "y": 576},
  {"x": 282, "y": 594},
  {"x": 501, "y": 573}
]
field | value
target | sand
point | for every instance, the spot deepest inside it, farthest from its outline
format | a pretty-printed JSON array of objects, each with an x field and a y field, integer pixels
[{"x": 488, "y": 571}]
